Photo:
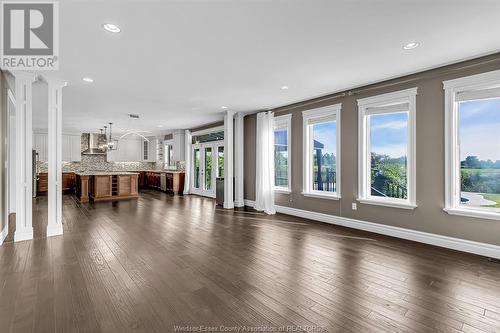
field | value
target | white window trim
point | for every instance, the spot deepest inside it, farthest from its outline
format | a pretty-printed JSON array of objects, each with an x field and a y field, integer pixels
[
  {"x": 392, "y": 102},
  {"x": 331, "y": 112},
  {"x": 282, "y": 122},
  {"x": 469, "y": 86}
]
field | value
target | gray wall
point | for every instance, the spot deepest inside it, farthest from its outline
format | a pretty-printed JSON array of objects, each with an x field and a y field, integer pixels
[{"x": 429, "y": 216}]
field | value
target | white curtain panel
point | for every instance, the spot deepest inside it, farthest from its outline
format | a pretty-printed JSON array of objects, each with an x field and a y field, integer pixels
[
  {"x": 187, "y": 175},
  {"x": 264, "y": 182}
]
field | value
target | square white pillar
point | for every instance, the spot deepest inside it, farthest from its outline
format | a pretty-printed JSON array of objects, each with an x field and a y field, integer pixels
[
  {"x": 228, "y": 159},
  {"x": 54, "y": 225},
  {"x": 24, "y": 160}
]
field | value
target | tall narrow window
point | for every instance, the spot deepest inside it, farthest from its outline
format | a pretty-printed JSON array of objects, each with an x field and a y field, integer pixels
[
  {"x": 169, "y": 156},
  {"x": 472, "y": 143},
  {"x": 282, "y": 170},
  {"x": 220, "y": 161},
  {"x": 387, "y": 149},
  {"x": 322, "y": 152}
]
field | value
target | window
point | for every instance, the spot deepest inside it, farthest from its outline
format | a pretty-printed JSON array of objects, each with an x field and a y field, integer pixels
[
  {"x": 282, "y": 170},
  {"x": 220, "y": 161},
  {"x": 322, "y": 152},
  {"x": 472, "y": 143},
  {"x": 387, "y": 149},
  {"x": 145, "y": 150},
  {"x": 169, "y": 156}
]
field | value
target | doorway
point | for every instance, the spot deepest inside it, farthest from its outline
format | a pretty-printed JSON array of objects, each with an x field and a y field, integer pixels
[{"x": 207, "y": 165}]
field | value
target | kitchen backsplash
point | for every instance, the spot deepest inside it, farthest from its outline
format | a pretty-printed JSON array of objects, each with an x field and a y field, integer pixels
[{"x": 99, "y": 163}]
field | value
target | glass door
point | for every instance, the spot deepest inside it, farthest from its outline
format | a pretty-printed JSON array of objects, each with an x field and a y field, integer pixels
[{"x": 206, "y": 167}]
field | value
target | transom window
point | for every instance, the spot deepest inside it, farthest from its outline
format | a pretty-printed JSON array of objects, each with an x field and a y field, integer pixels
[
  {"x": 322, "y": 152},
  {"x": 282, "y": 170},
  {"x": 387, "y": 149},
  {"x": 472, "y": 142}
]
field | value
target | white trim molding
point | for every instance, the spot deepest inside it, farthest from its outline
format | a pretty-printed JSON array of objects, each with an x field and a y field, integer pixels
[
  {"x": 228, "y": 159},
  {"x": 281, "y": 123},
  {"x": 54, "y": 224},
  {"x": 470, "y": 87},
  {"x": 24, "y": 145},
  {"x": 483, "y": 249},
  {"x": 309, "y": 118},
  {"x": 399, "y": 101},
  {"x": 4, "y": 233}
]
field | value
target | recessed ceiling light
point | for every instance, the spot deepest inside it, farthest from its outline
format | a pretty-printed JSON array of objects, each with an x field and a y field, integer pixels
[
  {"x": 223, "y": 107},
  {"x": 159, "y": 125},
  {"x": 111, "y": 27},
  {"x": 88, "y": 79},
  {"x": 410, "y": 45},
  {"x": 284, "y": 88}
]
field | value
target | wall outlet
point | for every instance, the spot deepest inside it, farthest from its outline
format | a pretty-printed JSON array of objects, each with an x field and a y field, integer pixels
[{"x": 354, "y": 206}]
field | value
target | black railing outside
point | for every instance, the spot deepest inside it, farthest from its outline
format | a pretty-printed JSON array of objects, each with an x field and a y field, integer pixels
[
  {"x": 384, "y": 187},
  {"x": 327, "y": 182}
]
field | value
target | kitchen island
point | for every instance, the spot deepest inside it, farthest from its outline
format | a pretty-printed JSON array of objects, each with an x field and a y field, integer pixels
[{"x": 106, "y": 185}]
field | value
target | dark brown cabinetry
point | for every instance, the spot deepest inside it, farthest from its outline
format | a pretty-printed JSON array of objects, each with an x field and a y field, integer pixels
[
  {"x": 68, "y": 182},
  {"x": 152, "y": 180}
]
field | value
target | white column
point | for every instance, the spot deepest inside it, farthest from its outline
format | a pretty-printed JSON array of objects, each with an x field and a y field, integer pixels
[
  {"x": 238, "y": 160},
  {"x": 24, "y": 145},
  {"x": 228, "y": 160},
  {"x": 54, "y": 223},
  {"x": 187, "y": 175}
]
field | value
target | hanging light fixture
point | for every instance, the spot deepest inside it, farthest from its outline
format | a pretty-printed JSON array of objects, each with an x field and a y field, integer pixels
[{"x": 112, "y": 144}]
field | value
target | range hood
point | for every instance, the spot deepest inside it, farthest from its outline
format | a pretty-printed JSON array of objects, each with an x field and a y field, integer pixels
[{"x": 94, "y": 139}]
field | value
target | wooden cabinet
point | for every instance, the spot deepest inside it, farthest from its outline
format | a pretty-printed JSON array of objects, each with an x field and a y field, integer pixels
[
  {"x": 42, "y": 183},
  {"x": 153, "y": 179},
  {"x": 100, "y": 187},
  {"x": 68, "y": 182},
  {"x": 108, "y": 187}
]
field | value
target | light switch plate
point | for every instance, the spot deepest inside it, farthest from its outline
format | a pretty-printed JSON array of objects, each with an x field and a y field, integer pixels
[{"x": 354, "y": 206}]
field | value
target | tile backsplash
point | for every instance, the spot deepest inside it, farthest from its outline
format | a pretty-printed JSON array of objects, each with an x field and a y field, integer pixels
[{"x": 99, "y": 163}]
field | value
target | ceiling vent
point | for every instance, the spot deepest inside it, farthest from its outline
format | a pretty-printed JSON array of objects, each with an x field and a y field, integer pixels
[{"x": 134, "y": 116}]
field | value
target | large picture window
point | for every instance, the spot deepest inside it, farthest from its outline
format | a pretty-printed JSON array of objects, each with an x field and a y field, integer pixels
[
  {"x": 322, "y": 152},
  {"x": 387, "y": 149},
  {"x": 473, "y": 145},
  {"x": 282, "y": 170}
]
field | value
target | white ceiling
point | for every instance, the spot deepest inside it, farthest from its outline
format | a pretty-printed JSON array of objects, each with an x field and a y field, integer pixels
[{"x": 176, "y": 63}]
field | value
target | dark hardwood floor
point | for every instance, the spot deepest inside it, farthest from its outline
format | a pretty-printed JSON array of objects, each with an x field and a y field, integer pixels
[{"x": 150, "y": 264}]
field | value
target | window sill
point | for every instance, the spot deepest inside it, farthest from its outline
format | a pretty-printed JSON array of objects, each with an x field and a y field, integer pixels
[
  {"x": 393, "y": 204},
  {"x": 473, "y": 213},
  {"x": 282, "y": 190},
  {"x": 321, "y": 195}
]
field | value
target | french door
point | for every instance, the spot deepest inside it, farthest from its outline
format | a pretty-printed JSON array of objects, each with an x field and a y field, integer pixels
[{"x": 207, "y": 164}]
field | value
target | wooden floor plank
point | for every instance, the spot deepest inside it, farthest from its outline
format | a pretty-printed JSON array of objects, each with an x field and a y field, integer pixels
[{"x": 162, "y": 261}]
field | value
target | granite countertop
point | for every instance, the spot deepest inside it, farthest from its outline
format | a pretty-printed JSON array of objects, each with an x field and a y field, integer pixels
[
  {"x": 159, "y": 171},
  {"x": 104, "y": 173}
]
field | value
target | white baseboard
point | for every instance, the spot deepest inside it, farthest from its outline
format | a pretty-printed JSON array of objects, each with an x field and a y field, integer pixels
[
  {"x": 54, "y": 230},
  {"x": 4, "y": 233},
  {"x": 484, "y": 249},
  {"x": 25, "y": 235}
]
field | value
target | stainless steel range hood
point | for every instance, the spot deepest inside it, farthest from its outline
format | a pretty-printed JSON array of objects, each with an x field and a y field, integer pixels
[{"x": 93, "y": 140}]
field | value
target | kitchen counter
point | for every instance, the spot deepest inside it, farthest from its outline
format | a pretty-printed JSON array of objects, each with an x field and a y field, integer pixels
[
  {"x": 105, "y": 173},
  {"x": 107, "y": 185}
]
